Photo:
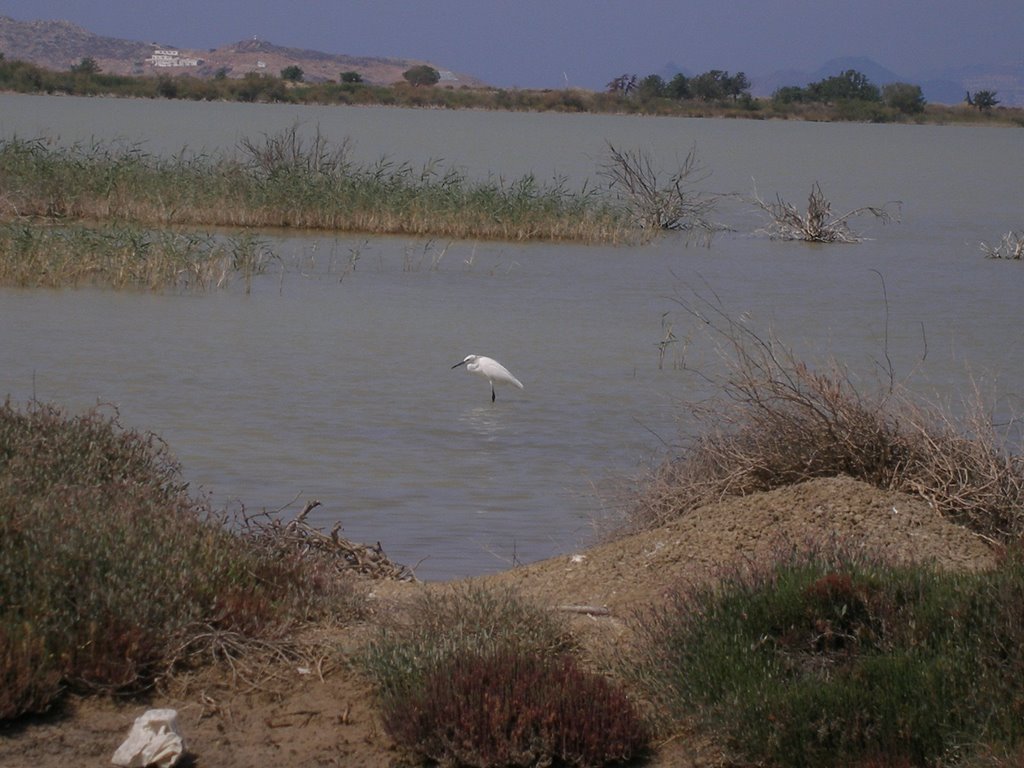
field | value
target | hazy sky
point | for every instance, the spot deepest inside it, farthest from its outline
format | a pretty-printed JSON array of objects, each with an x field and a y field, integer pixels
[{"x": 543, "y": 43}]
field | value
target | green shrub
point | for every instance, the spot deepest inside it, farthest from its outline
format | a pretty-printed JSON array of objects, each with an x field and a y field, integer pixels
[
  {"x": 111, "y": 572},
  {"x": 468, "y": 620},
  {"x": 832, "y": 657}
]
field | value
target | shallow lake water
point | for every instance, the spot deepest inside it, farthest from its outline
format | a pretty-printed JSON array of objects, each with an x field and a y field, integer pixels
[{"x": 332, "y": 380}]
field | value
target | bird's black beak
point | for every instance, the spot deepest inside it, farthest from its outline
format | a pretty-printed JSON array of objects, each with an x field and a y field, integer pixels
[{"x": 461, "y": 362}]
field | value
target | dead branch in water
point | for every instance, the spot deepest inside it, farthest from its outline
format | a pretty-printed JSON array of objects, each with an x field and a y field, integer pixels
[
  {"x": 817, "y": 225},
  {"x": 1010, "y": 247},
  {"x": 674, "y": 205}
]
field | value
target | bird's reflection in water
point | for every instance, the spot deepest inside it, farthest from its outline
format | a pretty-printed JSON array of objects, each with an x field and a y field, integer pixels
[{"x": 486, "y": 421}]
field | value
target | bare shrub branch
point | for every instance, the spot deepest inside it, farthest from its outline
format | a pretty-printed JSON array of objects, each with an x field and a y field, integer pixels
[
  {"x": 1010, "y": 247},
  {"x": 332, "y": 551},
  {"x": 653, "y": 204},
  {"x": 779, "y": 421},
  {"x": 817, "y": 224}
]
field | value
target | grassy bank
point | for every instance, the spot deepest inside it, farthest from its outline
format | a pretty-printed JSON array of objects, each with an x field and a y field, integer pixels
[{"x": 286, "y": 181}]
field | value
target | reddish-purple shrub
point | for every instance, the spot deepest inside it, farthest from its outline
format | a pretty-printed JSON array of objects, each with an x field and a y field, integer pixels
[
  {"x": 29, "y": 682},
  {"x": 509, "y": 708}
]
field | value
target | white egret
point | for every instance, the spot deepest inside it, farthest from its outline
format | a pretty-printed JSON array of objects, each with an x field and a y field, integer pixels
[{"x": 491, "y": 369}]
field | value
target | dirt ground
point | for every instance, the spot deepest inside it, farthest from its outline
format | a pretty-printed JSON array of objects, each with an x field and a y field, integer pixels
[{"x": 321, "y": 714}]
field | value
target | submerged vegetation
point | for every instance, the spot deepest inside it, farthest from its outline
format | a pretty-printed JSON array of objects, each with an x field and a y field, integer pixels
[
  {"x": 116, "y": 216},
  {"x": 818, "y": 224},
  {"x": 1011, "y": 246},
  {"x": 123, "y": 256}
]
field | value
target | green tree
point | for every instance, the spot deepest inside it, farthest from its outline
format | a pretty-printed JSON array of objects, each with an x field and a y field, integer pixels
[
  {"x": 735, "y": 85},
  {"x": 850, "y": 85},
  {"x": 905, "y": 97},
  {"x": 678, "y": 87},
  {"x": 292, "y": 73},
  {"x": 710, "y": 85},
  {"x": 351, "y": 77},
  {"x": 86, "y": 66},
  {"x": 651, "y": 87},
  {"x": 983, "y": 100},
  {"x": 422, "y": 74},
  {"x": 790, "y": 94}
]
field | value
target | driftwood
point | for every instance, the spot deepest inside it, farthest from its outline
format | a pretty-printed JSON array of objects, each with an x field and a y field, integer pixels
[
  {"x": 346, "y": 556},
  {"x": 1010, "y": 247},
  {"x": 817, "y": 225}
]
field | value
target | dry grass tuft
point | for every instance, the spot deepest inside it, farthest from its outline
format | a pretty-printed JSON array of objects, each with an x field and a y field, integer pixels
[{"x": 779, "y": 421}]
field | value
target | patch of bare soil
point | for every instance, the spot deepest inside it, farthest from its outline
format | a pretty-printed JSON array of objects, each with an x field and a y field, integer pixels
[{"x": 322, "y": 714}]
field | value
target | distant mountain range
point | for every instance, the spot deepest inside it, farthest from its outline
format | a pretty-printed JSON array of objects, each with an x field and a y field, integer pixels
[
  {"x": 60, "y": 44},
  {"x": 947, "y": 87}
]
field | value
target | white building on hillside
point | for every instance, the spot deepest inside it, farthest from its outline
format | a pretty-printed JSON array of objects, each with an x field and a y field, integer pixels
[{"x": 164, "y": 57}]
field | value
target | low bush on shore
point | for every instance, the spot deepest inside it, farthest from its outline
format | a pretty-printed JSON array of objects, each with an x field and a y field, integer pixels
[
  {"x": 481, "y": 678},
  {"x": 25, "y": 77},
  {"x": 834, "y": 657},
  {"x": 112, "y": 573}
]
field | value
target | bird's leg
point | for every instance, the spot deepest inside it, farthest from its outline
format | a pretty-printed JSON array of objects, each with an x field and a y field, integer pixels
[{"x": 492, "y": 392}]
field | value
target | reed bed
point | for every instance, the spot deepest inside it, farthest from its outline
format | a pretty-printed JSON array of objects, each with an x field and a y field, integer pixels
[
  {"x": 286, "y": 180},
  {"x": 125, "y": 256}
]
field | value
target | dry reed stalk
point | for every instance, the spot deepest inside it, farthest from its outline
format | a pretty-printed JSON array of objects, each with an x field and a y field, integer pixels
[{"x": 779, "y": 422}]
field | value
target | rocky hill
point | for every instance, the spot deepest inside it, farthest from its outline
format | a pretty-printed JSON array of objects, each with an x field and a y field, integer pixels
[{"x": 60, "y": 44}]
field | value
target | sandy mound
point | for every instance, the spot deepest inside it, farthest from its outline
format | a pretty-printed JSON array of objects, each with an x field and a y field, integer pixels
[{"x": 636, "y": 569}]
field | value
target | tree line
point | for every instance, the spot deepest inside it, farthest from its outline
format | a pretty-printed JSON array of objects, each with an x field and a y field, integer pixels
[
  {"x": 846, "y": 96},
  {"x": 847, "y": 86}
]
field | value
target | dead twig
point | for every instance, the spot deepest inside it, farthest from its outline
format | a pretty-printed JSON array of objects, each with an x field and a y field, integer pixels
[
  {"x": 817, "y": 224},
  {"x": 675, "y": 204},
  {"x": 1010, "y": 247}
]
